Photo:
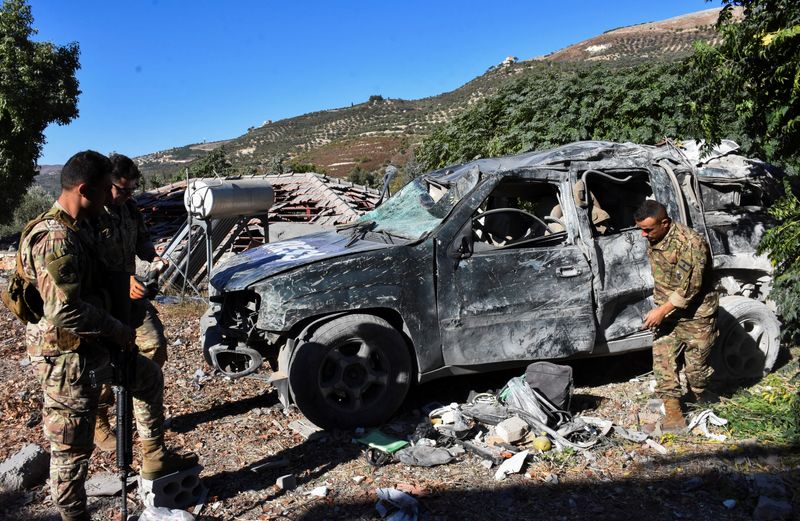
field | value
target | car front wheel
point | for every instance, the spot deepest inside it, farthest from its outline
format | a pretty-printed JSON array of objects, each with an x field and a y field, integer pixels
[{"x": 353, "y": 371}]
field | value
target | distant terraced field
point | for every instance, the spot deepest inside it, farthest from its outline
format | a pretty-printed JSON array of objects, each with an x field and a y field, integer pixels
[{"x": 372, "y": 134}]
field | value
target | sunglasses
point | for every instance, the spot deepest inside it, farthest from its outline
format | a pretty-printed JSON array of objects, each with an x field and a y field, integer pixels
[{"x": 125, "y": 191}]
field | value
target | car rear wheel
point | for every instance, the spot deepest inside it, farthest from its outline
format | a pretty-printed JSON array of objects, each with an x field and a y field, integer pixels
[
  {"x": 353, "y": 371},
  {"x": 749, "y": 339}
]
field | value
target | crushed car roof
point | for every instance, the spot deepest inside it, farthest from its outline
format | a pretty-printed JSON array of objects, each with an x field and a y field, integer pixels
[{"x": 719, "y": 163}]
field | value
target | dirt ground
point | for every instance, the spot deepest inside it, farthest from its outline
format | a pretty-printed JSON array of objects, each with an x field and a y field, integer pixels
[{"x": 236, "y": 426}]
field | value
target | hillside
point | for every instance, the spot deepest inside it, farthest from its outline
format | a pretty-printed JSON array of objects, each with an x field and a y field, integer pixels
[
  {"x": 666, "y": 39},
  {"x": 379, "y": 131}
]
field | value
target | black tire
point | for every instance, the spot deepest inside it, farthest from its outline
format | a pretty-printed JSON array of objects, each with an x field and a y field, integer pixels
[
  {"x": 354, "y": 371},
  {"x": 749, "y": 340}
]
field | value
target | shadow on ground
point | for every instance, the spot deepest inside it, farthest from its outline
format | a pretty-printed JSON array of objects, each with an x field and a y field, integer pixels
[{"x": 695, "y": 496}]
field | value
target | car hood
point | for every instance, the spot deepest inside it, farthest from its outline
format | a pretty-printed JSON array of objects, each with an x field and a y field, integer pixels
[{"x": 243, "y": 269}]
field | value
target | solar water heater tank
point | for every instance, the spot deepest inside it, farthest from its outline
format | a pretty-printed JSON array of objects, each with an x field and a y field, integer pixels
[{"x": 218, "y": 198}]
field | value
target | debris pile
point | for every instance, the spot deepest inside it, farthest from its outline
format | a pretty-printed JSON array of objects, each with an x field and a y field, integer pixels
[
  {"x": 309, "y": 202},
  {"x": 519, "y": 423}
]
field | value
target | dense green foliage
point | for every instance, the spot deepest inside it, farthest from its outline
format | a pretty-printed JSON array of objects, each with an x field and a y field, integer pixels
[
  {"x": 38, "y": 86},
  {"x": 769, "y": 411},
  {"x": 757, "y": 70},
  {"x": 565, "y": 103},
  {"x": 35, "y": 201}
]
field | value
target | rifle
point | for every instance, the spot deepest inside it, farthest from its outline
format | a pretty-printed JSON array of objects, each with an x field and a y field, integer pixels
[{"x": 123, "y": 360}]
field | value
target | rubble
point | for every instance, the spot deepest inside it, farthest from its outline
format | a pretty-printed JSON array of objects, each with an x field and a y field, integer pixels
[
  {"x": 286, "y": 482},
  {"x": 28, "y": 467},
  {"x": 304, "y": 203}
]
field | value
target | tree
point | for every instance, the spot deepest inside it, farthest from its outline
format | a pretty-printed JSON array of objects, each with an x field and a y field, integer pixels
[
  {"x": 38, "y": 86},
  {"x": 556, "y": 104},
  {"x": 757, "y": 70},
  {"x": 213, "y": 164}
]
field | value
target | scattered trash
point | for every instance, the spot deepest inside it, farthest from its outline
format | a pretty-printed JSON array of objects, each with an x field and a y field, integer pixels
[
  {"x": 512, "y": 429},
  {"x": 656, "y": 446},
  {"x": 397, "y": 504},
  {"x": 378, "y": 440},
  {"x": 307, "y": 430},
  {"x": 729, "y": 503},
  {"x": 424, "y": 456},
  {"x": 701, "y": 420},
  {"x": 319, "y": 491},
  {"x": 165, "y": 514},
  {"x": 272, "y": 464},
  {"x": 542, "y": 443},
  {"x": 450, "y": 421},
  {"x": 287, "y": 482},
  {"x": 554, "y": 381},
  {"x": 634, "y": 436},
  {"x": 358, "y": 479},
  {"x": 511, "y": 466},
  {"x": 381, "y": 447},
  {"x": 198, "y": 378}
]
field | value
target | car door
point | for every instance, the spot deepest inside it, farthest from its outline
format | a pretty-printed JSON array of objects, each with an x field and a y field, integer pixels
[
  {"x": 606, "y": 200},
  {"x": 524, "y": 292}
]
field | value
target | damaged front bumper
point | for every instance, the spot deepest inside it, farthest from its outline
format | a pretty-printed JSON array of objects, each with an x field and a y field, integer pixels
[{"x": 233, "y": 358}]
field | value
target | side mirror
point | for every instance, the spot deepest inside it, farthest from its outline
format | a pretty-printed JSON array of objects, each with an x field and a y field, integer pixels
[{"x": 461, "y": 247}]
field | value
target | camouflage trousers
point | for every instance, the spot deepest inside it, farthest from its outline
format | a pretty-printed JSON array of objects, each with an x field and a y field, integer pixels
[
  {"x": 149, "y": 331},
  {"x": 150, "y": 340},
  {"x": 69, "y": 412},
  {"x": 683, "y": 345}
]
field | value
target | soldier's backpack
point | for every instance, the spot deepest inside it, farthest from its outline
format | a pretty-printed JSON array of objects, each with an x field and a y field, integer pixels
[{"x": 21, "y": 296}]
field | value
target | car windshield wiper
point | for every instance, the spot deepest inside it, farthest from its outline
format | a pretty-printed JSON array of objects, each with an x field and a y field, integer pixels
[{"x": 360, "y": 230}]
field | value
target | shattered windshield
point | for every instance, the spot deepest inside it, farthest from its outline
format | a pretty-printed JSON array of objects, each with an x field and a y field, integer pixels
[{"x": 419, "y": 206}]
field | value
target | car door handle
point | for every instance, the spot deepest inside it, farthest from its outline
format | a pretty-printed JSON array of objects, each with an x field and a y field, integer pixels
[{"x": 567, "y": 272}]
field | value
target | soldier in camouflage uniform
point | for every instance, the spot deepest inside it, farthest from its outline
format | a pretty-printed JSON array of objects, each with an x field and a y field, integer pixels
[
  {"x": 684, "y": 319},
  {"x": 73, "y": 338},
  {"x": 120, "y": 235}
]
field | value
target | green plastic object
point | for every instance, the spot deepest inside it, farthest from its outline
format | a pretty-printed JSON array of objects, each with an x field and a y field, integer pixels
[{"x": 378, "y": 440}]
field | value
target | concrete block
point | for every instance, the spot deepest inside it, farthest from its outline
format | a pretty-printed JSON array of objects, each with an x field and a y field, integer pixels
[
  {"x": 27, "y": 468},
  {"x": 512, "y": 429},
  {"x": 287, "y": 482},
  {"x": 175, "y": 491}
]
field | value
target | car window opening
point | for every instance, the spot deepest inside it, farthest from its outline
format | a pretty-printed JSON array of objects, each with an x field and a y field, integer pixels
[
  {"x": 519, "y": 214},
  {"x": 612, "y": 199}
]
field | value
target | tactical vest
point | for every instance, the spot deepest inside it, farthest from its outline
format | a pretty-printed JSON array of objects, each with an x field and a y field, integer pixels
[{"x": 21, "y": 296}]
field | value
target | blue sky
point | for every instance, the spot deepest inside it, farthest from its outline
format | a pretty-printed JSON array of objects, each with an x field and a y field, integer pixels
[{"x": 162, "y": 73}]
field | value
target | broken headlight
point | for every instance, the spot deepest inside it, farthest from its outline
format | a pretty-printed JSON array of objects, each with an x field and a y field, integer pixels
[{"x": 239, "y": 312}]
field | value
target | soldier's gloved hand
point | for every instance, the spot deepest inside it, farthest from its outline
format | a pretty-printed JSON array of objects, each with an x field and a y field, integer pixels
[{"x": 137, "y": 289}]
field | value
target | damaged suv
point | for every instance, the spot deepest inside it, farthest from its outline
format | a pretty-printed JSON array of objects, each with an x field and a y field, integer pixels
[{"x": 487, "y": 265}]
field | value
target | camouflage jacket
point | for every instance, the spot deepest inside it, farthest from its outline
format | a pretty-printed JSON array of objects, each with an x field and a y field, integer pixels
[
  {"x": 681, "y": 264},
  {"x": 119, "y": 236},
  {"x": 59, "y": 264}
]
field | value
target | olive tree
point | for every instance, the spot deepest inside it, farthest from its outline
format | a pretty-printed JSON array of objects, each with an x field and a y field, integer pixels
[{"x": 38, "y": 86}]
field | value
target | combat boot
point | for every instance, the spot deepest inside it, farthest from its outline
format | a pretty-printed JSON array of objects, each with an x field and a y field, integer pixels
[
  {"x": 158, "y": 461},
  {"x": 75, "y": 517},
  {"x": 104, "y": 437},
  {"x": 673, "y": 420}
]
